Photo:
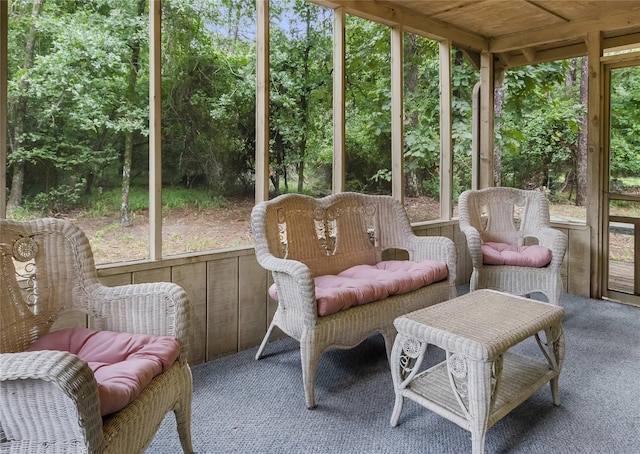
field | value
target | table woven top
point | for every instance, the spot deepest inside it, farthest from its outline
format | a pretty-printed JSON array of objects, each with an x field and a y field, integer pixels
[{"x": 482, "y": 324}]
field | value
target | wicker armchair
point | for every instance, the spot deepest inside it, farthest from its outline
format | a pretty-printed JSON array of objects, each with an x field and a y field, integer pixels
[
  {"x": 50, "y": 398},
  {"x": 519, "y": 218},
  {"x": 298, "y": 238}
]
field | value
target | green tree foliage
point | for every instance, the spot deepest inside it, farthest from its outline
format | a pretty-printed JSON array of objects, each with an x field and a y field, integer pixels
[
  {"x": 368, "y": 106},
  {"x": 625, "y": 112},
  {"x": 208, "y": 84},
  {"x": 539, "y": 128},
  {"x": 422, "y": 124},
  {"x": 463, "y": 80},
  {"x": 69, "y": 115},
  {"x": 74, "y": 91},
  {"x": 301, "y": 95}
]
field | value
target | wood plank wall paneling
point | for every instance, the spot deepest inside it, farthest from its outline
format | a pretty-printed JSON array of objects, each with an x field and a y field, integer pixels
[
  {"x": 228, "y": 289},
  {"x": 222, "y": 304},
  {"x": 578, "y": 262},
  {"x": 252, "y": 303},
  {"x": 113, "y": 280},
  {"x": 153, "y": 275},
  {"x": 448, "y": 231},
  {"x": 193, "y": 278}
]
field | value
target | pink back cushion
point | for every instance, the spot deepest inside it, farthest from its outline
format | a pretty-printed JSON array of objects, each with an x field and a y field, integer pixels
[
  {"x": 363, "y": 284},
  {"x": 123, "y": 363},
  {"x": 506, "y": 254}
]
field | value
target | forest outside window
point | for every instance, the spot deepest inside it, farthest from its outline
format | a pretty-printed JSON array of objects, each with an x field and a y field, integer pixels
[
  {"x": 79, "y": 116},
  {"x": 78, "y": 101},
  {"x": 541, "y": 134},
  {"x": 300, "y": 98},
  {"x": 78, "y": 119}
]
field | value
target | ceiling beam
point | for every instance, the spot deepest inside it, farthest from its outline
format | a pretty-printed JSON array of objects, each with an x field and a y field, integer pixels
[
  {"x": 569, "y": 51},
  {"x": 630, "y": 40},
  {"x": 566, "y": 31},
  {"x": 472, "y": 56},
  {"x": 419, "y": 24},
  {"x": 558, "y": 53},
  {"x": 529, "y": 53}
]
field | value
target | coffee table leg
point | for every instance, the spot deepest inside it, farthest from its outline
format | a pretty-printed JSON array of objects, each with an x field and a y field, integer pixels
[
  {"x": 406, "y": 357},
  {"x": 471, "y": 383},
  {"x": 556, "y": 336},
  {"x": 479, "y": 402},
  {"x": 553, "y": 350},
  {"x": 397, "y": 409}
]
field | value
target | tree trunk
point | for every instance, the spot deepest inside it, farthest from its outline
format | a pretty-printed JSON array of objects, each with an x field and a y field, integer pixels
[
  {"x": 581, "y": 161},
  {"x": 125, "y": 219},
  {"x": 234, "y": 14},
  {"x": 278, "y": 147},
  {"x": 20, "y": 111},
  {"x": 301, "y": 177}
]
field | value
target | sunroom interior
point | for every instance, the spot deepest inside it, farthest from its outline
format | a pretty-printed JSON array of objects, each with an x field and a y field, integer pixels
[{"x": 232, "y": 314}]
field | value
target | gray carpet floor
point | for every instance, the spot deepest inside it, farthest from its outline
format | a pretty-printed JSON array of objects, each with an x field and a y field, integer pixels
[{"x": 241, "y": 405}]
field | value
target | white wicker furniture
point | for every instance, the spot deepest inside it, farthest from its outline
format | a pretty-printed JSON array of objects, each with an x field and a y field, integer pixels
[
  {"x": 298, "y": 238},
  {"x": 49, "y": 398},
  {"x": 516, "y": 217},
  {"x": 480, "y": 381}
]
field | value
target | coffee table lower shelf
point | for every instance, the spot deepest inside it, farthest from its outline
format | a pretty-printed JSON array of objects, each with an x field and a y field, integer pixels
[{"x": 521, "y": 377}]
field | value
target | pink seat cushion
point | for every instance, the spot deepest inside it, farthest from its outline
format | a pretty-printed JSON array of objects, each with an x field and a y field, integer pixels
[
  {"x": 123, "y": 363},
  {"x": 506, "y": 254},
  {"x": 362, "y": 284}
]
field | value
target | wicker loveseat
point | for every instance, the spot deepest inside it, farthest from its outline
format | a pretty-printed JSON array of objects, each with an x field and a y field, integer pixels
[
  {"x": 303, "y": 240},
  {"x": 50, "y": 399}
]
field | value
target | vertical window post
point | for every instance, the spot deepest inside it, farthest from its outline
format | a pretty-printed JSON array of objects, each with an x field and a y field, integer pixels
[
  {"x": 262, "y": 100},
  {"x": 475, "y": 141},
  {"x": 4, "y": 72},
  {"x": 446, "y": 142},
  {"x": 397, "y": 113},
  {"x": 486, "y": 115},
  {"x": 155, "y": 131},
  {"x": 597, "y": 171},
  {"x": 339, "y": 52}
]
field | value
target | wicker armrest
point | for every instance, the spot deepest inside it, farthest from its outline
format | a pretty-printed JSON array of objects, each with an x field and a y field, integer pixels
[
  {"x": 296, "y": 287},
  {"x": 555, "y": 240},
  {"x": 435, "y": 248},
  {"x": 474, "y": 243},
  {"x": 50, "y": 397},
  {"x": 291, "y": 267},
  {"x": 158, "y": 308}
]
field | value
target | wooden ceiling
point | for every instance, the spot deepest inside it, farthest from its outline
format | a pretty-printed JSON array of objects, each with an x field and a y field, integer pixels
[{"x": 517, "y": 31}]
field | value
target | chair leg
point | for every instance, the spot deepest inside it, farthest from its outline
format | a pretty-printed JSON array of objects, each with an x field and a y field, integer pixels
[
  {"x": 473, "y": 281},
  {"x": 182, "y": 413},
  {"x": 265, "y": 340},
  {"x": 309, "y": 357},
  {"x": 389, "y": 336},
  {"x": 555, "y": 294}
]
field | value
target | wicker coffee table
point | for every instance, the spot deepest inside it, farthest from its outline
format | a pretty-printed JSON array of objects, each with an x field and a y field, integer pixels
[{"x": 480, "y": 381}]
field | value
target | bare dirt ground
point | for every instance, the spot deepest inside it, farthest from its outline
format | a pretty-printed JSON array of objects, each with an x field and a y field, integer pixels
[
  {"x": 193, "y": 230},
  {"x": 183, "y": 230}
]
